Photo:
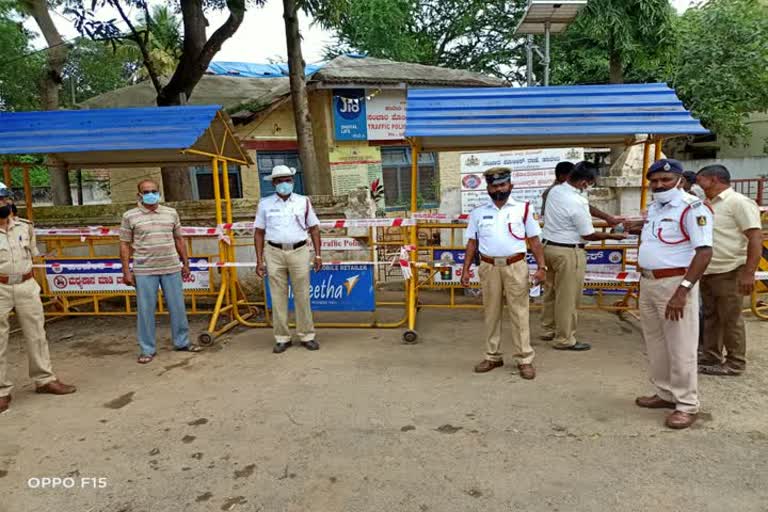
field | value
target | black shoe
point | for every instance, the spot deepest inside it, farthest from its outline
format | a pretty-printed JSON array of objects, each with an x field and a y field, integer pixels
[
  {"x": 281, "y": 347},
  {"x": 310, "y": 345},
  {"x": 578, "y": 347}
]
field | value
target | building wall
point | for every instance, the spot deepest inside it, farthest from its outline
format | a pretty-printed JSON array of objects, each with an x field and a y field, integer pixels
[
  {"x": 740, "y": 168},
  {"x": 249, "y": 177},
  {"x": 449, "y": 170},
  {"x": 756, "y": 145},
  {"x": 122, "y": 182}
]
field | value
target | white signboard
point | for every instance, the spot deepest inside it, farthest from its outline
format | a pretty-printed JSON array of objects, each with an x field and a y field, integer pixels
[
  {"x": 532, "y": 172},
  {"x": 386, "y": 115},
  {"x": 342, "y": 244},
  {"x": 105, "y": 275}
]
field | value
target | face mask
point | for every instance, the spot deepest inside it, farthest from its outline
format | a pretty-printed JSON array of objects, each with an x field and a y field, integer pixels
[
  {"x": 285, "y": 188},
  {"x": 150, "y": 198},
  {"x": 499, "y": 195},
  {"x": 5, "y": 211},
  {"x": 666, "y": 196}
]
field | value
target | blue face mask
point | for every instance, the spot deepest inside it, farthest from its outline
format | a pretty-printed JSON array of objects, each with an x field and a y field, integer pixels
[
  {"x": 284, "y": 188},
  {"x": 150, "y": 198}
]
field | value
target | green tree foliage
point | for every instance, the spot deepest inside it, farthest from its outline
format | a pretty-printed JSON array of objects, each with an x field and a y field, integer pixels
[
  {"x": 95, "y": 67},
  {"x": 720, "y": 68},
  {"x": 20, "y": 66},
  {"x": 462, "y": 34},
  {"x": 614, "y": 41}
]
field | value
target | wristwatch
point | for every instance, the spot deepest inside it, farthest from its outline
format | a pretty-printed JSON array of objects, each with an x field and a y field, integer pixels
[
  {"x": 686, "y": 284},
  {"x": 318, "y": 257}
]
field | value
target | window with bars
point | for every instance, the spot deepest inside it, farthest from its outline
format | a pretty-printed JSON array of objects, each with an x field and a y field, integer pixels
[
  {"x": 266, "y": 160},
  {"x": 396, "y": 169},
  {"x": 203, "y": 182}
]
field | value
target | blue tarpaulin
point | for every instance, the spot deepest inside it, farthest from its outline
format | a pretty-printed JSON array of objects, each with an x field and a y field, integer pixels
[{"x": 253, "y": 70}]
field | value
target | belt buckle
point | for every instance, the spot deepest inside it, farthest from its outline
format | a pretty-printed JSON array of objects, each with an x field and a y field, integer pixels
[
  {"x": 15, "y": 278},
  {"x": 500, "y": 262},
  {"x": 287, "y": 247}
]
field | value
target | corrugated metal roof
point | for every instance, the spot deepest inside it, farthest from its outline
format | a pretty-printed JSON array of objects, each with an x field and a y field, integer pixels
[
  {"x": 119, "y": 137},
  {"x": 578, "y": 115}
]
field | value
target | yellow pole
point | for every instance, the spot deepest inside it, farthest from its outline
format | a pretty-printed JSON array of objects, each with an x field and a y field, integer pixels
[
  {"x": 28, "y": 193},
  {"x": 657, "y": 153},
  {"x": 644, "y": 178},
  {"x": 232, "y": 274},
  {"x": 414, "y": 236}
]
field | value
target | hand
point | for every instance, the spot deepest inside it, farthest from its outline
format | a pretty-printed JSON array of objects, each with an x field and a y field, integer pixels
[
  {"x": 676, "y": 304},
  {"x": 618, "y": 236},
  {"x": 613, "y": 221},
  {"x": 747, "y": 283},
  {"x": 185, "y": 272},
  {"x": 539, "y": 276},
  {"x": 128, "y": 279},
  {"x": 318, "y": 265},
  {"x": 261, "y": 270},
  {"x": 465, "y": 277}
]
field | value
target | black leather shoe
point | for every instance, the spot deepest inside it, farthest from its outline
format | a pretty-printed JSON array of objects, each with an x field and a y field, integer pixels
[
  {"x": 577, "y": 347},
  {"x": 281, "y": 347},
  {"x": 310, "y": 345}
]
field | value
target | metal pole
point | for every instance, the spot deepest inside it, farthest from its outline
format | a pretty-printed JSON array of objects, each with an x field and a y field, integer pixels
[
  {"x": 529, "y": 59},
  {"x": 644, "y": 178},
  {"x": 546, "y": 54},
  {"x": 28, "y": 193}
]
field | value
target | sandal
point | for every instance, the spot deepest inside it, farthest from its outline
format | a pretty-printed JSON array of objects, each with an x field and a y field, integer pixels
[
  {"x": 189, "y": 348},
  {"x": 720, "y": 370},
  {"x": 146, "y": 358}
]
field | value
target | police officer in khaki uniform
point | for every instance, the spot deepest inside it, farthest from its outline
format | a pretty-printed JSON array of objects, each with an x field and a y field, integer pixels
[
  {"x": 499, "y": 230},
  {"x": 675, "y": 249},
  {"x": 20, "y": 292}
]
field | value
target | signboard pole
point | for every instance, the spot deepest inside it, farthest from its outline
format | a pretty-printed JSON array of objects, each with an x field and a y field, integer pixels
[{"x": 410, "y": 335}]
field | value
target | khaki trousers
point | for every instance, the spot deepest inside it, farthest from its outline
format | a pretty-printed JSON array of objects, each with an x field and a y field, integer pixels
[
  {"x": 723, "y": 323},
  {"x": 562, "y": 293},
  {"x": 510, "y": 282},
  {"x": 280, "y": 266},
  {"x": 25, "y": 299},
  {"x": 671, "y": 345}
]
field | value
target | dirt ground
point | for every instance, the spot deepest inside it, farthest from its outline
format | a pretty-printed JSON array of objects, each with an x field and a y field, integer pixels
[{"x": 369, "y": 424}]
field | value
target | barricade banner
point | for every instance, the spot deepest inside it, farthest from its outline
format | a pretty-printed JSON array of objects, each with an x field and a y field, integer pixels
[
  {"x": 337, "y": 288},
  {"x": 96, "y": 275}
]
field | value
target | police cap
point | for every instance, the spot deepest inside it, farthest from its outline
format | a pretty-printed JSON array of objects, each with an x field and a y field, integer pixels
[
  {"x": 666, "y": 165},
  {"x": 498, "y": 175}
]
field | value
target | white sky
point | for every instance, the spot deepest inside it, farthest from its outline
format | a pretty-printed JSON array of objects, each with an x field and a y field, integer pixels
[{"x": 260, "y": 37}]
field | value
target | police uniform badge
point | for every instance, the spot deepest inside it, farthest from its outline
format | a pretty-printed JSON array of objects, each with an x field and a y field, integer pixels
[{"x": 701, "y": 220}]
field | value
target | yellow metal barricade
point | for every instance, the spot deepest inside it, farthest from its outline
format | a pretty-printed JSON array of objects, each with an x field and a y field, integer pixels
[
  {"x": 233, "y": 306},
  {"x": 65, "y": 301}
]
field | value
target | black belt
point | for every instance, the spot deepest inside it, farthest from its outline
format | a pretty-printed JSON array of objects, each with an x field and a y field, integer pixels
[
  {"x": 558, "y": 244},
  {"x": 287, "y": 247}
]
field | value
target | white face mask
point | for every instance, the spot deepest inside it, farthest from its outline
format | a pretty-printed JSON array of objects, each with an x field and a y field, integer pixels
[{"x": 667, "y": 195}]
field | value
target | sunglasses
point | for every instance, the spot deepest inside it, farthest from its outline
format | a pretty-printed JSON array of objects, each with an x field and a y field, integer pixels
[{"x": 149, "y": 191}]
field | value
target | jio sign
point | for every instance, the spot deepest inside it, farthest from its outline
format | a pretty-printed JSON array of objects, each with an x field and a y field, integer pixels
[{"x": 349, "y": 115}]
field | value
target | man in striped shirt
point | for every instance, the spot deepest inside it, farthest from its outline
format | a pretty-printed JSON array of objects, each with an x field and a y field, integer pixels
[{"x": 151, "y": 233}]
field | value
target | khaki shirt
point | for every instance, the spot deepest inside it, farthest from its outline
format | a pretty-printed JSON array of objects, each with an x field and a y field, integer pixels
[
  {"x": 734, "y": 214},
  {"x": 18, "y": 246}
]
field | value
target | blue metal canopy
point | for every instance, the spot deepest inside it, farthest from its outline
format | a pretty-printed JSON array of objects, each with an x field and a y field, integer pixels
[
  {"x": 126, "y": 137},
  {"x": 564, "y": 116}
]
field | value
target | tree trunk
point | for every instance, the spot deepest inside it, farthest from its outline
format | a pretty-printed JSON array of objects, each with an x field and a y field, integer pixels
[
  {"x": 49, "y": 87},
  {"x": 301, "y": 112},
  {"x": 195, "y": 58},
  {"x": 615, "y": 76},
  {"x": 616, "y": 69}
]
